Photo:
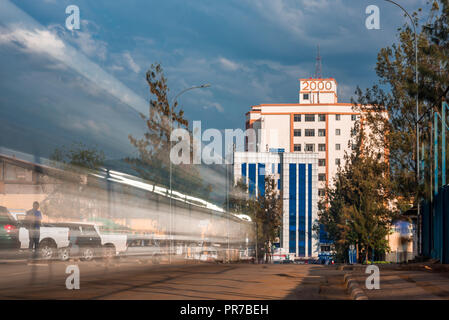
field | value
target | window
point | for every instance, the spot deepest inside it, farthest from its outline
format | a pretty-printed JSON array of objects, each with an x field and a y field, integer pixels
[
  {"x": 297, "y": 132},
  {"x": 309, "y": 117},
  {"x": 337, "y": 132},
  {"x": 325, "y": 248},
  {"x": 353, "y": 117},
  {"x": 305, "y": 96},
  {"x": 321, "y": 192},
  {"x": 321, "y": 177},
  {"x": 337, "y": 147},
  {"x": 338, "y": 117},
  {"x": 337, "y": 161},
  {"x": 321, "y": 117},
  {"x": 309, "y": 132},
  {"x": 297, "y": 147},
  {"x": 321, "y": 147},
  {"x": 321, "y": 132},
  {"x": 310, "y": 147},
  {"x": 321, "y": 162},
  {"x": 15, "y": 173},
  {"x": 297, "y": 118}
]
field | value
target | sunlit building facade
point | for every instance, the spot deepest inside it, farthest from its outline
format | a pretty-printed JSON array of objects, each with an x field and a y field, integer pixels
[{"x": 296, "y": 179}]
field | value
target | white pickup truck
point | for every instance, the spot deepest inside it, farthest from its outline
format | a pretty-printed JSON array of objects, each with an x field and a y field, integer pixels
[
  {"x": 113, "y": 244},
  {"x": 54, "y": 241}
]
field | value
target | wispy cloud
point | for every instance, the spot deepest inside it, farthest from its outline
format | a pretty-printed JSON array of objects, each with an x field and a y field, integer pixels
[
  {"x": 25, "y": 32},
  {"x": 33, "y": 41},
  {"x": 214, "y": 105},
  {"x": 228, "y": 64},
  {"x": 131, "y": 63}
]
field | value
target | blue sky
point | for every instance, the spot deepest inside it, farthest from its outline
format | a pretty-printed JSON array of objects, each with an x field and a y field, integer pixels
[{"x": 59, "y": 86}]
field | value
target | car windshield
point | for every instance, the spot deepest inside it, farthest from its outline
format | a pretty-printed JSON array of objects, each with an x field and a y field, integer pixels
[{"x": 5, "y": 215}]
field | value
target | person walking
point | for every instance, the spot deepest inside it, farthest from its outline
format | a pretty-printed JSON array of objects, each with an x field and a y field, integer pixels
[{"x": 34, "y": 219}]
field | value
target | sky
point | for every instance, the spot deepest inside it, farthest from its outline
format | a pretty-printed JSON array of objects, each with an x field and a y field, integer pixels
[{"x": 59, "y": 86}]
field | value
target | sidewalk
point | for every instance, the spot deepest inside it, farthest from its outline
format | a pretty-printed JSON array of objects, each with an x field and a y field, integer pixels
[{"x": 406, "y": 282}]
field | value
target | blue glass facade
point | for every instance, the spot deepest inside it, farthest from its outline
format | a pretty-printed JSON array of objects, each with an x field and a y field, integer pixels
[
  {"x": 252, "y": 179},
  {"x": 298, "y": 235},
  {"x": 261, "y": 179},
  {"x": 302, "y": 211},
  {"x": 292, "y": 208},
  {"x": 309, "y": 223}
]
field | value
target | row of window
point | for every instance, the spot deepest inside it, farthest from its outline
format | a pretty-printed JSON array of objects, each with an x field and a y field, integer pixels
[
  {"x": 321, "y": 117},
  {"x": 311, "y": 132},
  {"x": 12, "y": 173},
  {"x": 310, "y": 147},
  {"x": 322, "y": 162}
]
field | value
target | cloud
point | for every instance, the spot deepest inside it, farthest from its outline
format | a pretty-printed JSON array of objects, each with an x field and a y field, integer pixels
[
  {"x": 83, "y": 38},
  {"x": 228, "y": 64},
  {"x": 214, "y": 105},
  {"x": 131, "y": 63},
  {"x": 34, "y": 41}
]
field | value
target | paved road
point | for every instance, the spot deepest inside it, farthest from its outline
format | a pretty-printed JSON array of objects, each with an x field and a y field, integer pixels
[{"x": 134, "y": 280}]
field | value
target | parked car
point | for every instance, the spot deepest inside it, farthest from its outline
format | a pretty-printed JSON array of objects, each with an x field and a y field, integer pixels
[
  {"x": 53, "y": 242},
  {"x": 9, "y": 233},
  {"x": 143, "y": 246},
  {"x": 113, "y": 244},
  {"x": 209, "y": 255},
  {"x": 85, "y": 242}
]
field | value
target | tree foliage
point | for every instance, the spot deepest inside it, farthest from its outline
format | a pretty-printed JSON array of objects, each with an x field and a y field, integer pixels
[
  {"x": 359, "y": 205},
  {"x": 265, "y": 210},
  {"x": 153, "y": 149},
  {"x": 396, "y": 92}
]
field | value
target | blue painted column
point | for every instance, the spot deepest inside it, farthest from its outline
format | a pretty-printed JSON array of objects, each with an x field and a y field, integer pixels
[
  {"x": 443, "y": 144},
  {"x": 435, "y": 151}
]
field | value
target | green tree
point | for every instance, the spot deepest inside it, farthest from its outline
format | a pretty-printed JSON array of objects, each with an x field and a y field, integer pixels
[
  {"x": 358, "y": 207},
  {"x": 265, "y": 210},
  {"x": 152, "y": 162},
  {"x": 268, "y": 212},
  {"x": 79, "y": 156},
  {"x": 396, "y": 91}
]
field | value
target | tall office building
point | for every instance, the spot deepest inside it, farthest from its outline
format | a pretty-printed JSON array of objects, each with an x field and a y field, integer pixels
[
  {"x": 318, "y": 123},
  {"x": 308, "y": 141}
]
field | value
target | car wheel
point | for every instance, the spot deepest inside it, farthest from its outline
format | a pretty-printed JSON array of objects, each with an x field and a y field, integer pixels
[
  {"x": 87, "y": 254},
  {"x": 64, "y": 254},
  {"x": 47, "y": 250}
]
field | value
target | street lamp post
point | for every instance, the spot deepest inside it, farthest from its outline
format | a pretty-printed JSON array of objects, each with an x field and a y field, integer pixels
[
  {"x": 417, "y": 110},
  {"x": 173, "y": 101}
]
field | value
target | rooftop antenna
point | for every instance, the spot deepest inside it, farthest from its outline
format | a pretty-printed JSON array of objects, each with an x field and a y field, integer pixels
[{"x": 318, "y": 73}]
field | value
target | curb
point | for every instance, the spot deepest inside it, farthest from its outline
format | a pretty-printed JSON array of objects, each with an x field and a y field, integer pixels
[
  {"x": 13, "y": 261},
  {"x": 353, "y": 288}
]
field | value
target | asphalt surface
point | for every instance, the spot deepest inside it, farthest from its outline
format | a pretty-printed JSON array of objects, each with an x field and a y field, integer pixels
[{"x": 139, "y": 279}]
